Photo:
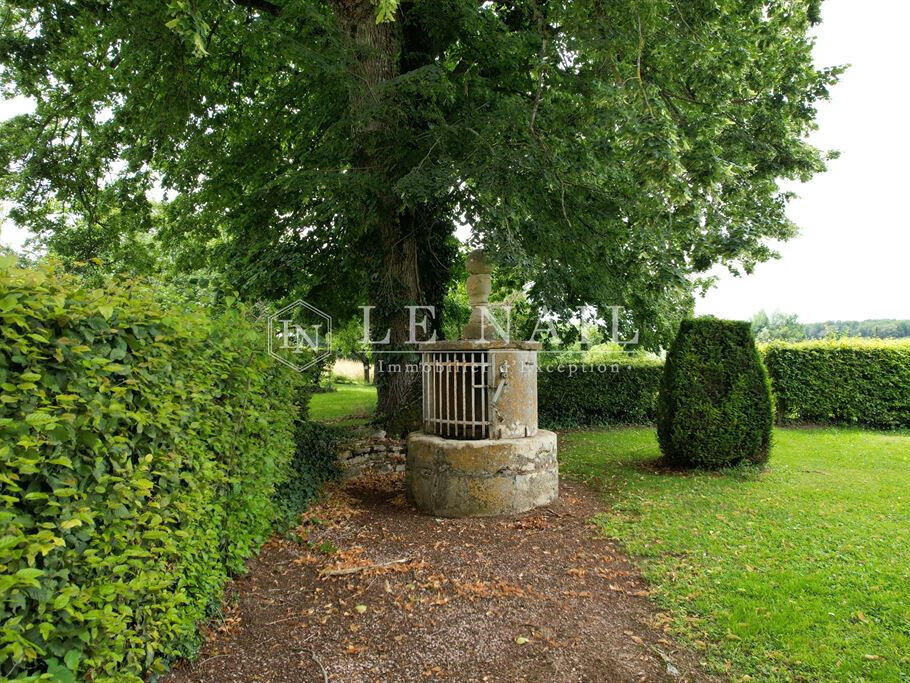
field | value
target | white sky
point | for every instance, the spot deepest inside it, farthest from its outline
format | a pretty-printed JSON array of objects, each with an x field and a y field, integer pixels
[{"x": 850, "y": 260}]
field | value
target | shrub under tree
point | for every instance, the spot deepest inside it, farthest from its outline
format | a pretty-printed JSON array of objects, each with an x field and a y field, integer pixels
[{"x": 715, "y": 407}]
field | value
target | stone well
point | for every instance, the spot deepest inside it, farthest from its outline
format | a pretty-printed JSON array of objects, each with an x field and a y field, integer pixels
[{"x": 480, "y": 452}]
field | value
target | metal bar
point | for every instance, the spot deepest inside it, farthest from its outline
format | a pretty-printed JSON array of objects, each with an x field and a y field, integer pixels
[
  {"x": 433, "y": 396},
  {"x": 483, "y": 397},
  {"x": 440, "y": 417},
  {"x": 464, "y": 383},
  {"x": 450, "y": 395},
  {"x": 439, "y": 391},
  {"x": 429, "y": 414},
  {"x": 447, "y": 411},
  {"x": 428, "y": 379},
  {"x": 423, "y": 390},
  {"x": 471, "y": 387},
  {"x": 455, "y": 371},
  {"x": 442, "y": 394},
  {"x": 448, "y": 402}
]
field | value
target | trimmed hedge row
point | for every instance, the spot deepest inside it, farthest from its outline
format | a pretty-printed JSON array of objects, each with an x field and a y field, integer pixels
[
  {"x": 577, "y": 395},
  {"x": 847, "y": 382},
  {"x": 141, "y": 444},
  {"x": 856, "y": 382}
]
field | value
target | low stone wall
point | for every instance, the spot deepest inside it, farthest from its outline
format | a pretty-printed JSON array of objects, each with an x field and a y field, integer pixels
[{"x": 373, "y": 453}]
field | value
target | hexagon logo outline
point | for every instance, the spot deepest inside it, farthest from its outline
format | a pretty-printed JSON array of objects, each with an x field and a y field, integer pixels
[{"x": 271, "y": 335}]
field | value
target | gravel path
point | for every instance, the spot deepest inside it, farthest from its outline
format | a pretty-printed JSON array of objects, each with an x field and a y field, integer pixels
[{"x": 373, "y": 591}]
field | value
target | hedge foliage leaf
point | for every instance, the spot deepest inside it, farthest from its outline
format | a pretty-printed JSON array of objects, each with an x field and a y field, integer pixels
[{"x": 142, "y": 441}]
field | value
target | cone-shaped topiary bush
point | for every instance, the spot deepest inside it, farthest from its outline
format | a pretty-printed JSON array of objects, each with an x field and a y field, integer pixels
[{"x": 715, "y": 406}]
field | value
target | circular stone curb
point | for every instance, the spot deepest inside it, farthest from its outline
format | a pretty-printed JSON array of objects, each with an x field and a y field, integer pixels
[{"x": 483, "y": 478}]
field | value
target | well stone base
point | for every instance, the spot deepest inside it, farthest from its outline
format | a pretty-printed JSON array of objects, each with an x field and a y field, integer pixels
[{"x": 449, "y": 478}]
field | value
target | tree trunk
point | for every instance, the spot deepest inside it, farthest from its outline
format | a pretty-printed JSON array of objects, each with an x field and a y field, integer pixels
[
  {"x": 417, "y": 253},
  {"x": 376, "y": 49},
  {"x": 397, "y": 286},
  {"x": 411, "y": 260}
]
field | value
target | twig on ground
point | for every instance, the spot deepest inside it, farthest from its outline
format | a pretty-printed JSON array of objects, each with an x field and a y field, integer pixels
[
  {"x": 208, "y": 659},
  {"x": 353, "y": 570},
  {"x": 325, "y": 675},
  {"x": 278, "y": 621}
]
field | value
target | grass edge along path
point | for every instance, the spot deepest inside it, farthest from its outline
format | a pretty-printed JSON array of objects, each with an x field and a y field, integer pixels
[{"x": 800, "y": 571}]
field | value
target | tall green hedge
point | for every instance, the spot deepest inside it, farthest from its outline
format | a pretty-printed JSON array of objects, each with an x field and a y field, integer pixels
[
  {"x": 580, "y": 395},
  {"x": 715, "y": 406},
  {"x": 141, "y": 444},
  {"x": 848, "y": 382}
]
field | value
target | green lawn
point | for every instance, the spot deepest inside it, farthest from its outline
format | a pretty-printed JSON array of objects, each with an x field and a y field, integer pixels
[
  {"x": 351, "y": 404},
  {"x": 797, "y": 572}
]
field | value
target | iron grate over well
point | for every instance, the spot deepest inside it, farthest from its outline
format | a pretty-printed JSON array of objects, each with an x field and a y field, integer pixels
[{"x": 456, "y": 400}]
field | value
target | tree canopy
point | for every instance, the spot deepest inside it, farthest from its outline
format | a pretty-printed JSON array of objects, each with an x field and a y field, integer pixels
[
  {"x": 608, "y": 152},
  {"x": 777, "y": 326}
]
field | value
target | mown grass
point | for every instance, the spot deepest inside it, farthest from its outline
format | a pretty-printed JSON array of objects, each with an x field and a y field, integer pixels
[
  {"x": 350, "y": 404},
  {"x": 800, "y": 571}
]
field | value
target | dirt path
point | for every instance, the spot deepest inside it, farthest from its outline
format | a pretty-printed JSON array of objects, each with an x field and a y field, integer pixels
[{"x": 385, "y": 594}]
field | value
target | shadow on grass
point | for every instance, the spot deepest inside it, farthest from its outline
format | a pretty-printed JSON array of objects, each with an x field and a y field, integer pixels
[{"x": 744, "y": 471}]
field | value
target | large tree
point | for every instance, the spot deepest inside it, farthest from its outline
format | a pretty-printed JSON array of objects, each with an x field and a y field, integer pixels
[{"x": 609, "y": 151}]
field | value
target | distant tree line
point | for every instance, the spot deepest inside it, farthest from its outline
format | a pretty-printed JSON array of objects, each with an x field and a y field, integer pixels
[
  {"x": 786, "y": 327},
  {"x": 883, "y": 329}
]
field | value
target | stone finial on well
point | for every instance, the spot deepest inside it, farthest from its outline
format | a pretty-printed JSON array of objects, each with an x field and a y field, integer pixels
[{"x": 479, "y": 286}]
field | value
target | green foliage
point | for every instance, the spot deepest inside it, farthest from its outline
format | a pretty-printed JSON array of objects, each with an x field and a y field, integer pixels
[
  {"x": 142, "y": 441},
  {"x": 456, "y": 308},
  {"x": 876, "y": 329},
  {"x": 715, "y": 406},
  {"x": 385, "y": 10},
  {"x": 841, "y": 382},
  {"x": 621, "y": 392},
  {"x": 607, "y": 352},
  {"x": 847, "y": 382},
  {"x": 609, "y": 152},
  {"x": 777, "y": 326},
  {"x": 315, "y": 461},
  {"x": 786, "y": 327},
  {"x": 347, "y": 404},
  {"x": 347, "y": 342}
]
